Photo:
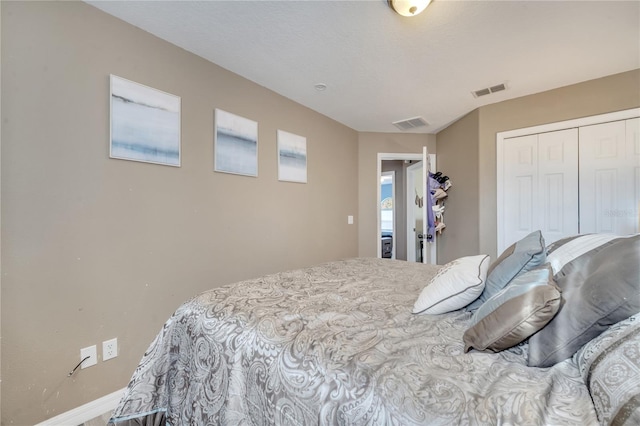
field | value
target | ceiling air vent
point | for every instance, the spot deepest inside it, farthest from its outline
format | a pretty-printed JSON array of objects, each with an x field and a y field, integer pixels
[
  {"x": 498, "y": 88},
  {"x": 489, "y": 90},
  {"x": 410, "y": 123},
  {"x": 481, "y": 92}
]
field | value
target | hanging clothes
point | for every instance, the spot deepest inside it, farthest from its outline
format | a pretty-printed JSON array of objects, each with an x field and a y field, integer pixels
[{"x": 431, "y": 220}]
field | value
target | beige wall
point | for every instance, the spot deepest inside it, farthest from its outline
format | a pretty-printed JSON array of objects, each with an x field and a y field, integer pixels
[
  {"x": 369, "y": 145},
  {"x": 608, "y": 94},
  {"x": 458, "y": 159},
  {"x": 95, "y": 248}
]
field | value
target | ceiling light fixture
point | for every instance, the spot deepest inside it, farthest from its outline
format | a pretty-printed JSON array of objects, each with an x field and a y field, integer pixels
[
  {"x": 320, "y": 87},
  {"x": 408, "y": 7}
]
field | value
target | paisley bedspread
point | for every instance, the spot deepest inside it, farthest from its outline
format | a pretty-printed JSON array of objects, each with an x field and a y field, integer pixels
[{"x": 337, "y": 344}]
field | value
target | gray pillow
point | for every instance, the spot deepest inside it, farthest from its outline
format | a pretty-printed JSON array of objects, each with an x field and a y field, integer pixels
[
  {"x": 600, "y": 287},
  {"x": 514, "y": 313},
  {"x": 610, "y": 367},
  {"x": 522, "y": 256},
  {"x": 569, "y": 249}
]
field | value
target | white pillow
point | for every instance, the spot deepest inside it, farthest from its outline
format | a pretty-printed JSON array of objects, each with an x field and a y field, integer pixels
[{"x": 456, "y": 284}]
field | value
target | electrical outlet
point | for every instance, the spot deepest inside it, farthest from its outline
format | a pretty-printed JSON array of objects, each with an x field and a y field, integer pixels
[
  {"x": 109, "y": 349},
  {"x": 90, "y": 352}
]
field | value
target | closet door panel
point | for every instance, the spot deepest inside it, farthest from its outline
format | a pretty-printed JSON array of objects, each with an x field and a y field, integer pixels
[
  {"x": 604, "y": 196},
  {"x": 521, "y": 187},
  {"x": 558, "y": 184},
  {"x": 607, "y": 181},
  {"x": 633, "y": 148}
]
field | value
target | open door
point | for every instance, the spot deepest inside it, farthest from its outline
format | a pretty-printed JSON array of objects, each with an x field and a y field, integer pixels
[
  {"x": 430, "y": 252},
  {"x": 426, "y": 240},
  {"x": 420, "y": 240},
  {"x": 415, "y": 209}
]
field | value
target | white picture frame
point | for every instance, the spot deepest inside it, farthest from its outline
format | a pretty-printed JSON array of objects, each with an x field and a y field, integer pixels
[
  {"x": 145, "y": 123},
  {"x": 292, "y": 157},
  {"x": 235, "y": 144}
]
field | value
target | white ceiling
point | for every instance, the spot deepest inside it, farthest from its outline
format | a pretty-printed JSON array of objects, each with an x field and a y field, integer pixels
[{"x": 380, "y": 67}]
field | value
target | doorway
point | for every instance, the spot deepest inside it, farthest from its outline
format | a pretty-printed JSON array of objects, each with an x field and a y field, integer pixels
[
  {"x": 400, "y": 162},
  {"x": 388, "y": 214}
]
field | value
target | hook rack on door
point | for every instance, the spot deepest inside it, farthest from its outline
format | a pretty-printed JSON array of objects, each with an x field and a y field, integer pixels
[{"x": 439, "y": 184}]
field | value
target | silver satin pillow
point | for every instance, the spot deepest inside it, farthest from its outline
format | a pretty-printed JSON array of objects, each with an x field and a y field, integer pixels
[
  {"x": 516, "y": 312},
  {"x": 600, "y": 287}
]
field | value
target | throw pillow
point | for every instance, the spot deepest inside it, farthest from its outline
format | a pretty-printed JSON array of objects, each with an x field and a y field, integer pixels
[
  {"x": 600, "y": 287},
  {"x": 516, "y": 312},
  {"x": 568, "y": 249},
  {"x": 522, "y": 256},
  {"x": 456, "y": 284}
]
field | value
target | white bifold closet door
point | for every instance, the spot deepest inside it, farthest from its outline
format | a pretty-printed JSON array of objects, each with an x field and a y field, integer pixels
[
  {"x": 541, "y": 185},
  {"x": 610, "y": 177}
]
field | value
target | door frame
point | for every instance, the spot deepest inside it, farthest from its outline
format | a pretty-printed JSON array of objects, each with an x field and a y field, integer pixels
[
  {"x": 549, "y": 127},
  {"x": 386, "y": 156}
]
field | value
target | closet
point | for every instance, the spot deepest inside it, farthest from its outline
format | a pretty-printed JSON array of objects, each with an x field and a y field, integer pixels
[{"x": 580, "y": 176}]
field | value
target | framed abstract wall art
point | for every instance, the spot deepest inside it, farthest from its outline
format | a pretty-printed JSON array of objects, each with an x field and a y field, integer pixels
[
  {"x": 292, "y": 157},
  {"x": 145, "y": 123},
  {"x": 235, "y": 144}
]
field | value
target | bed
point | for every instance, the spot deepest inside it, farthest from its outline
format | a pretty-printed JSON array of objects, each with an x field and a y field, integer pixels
[{"x": 345, "y": 343}]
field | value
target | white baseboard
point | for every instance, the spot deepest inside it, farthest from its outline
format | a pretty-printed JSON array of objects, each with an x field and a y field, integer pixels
[{"x": 86, "y": 412}]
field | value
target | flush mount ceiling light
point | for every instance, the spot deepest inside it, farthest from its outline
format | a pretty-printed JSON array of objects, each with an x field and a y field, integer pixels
[{"x": 408, "y": 7}]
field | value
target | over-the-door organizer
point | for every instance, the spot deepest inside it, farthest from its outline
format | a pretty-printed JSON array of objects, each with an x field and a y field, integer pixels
[{"x": 438, "y": 185}]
